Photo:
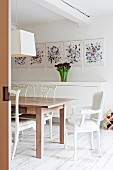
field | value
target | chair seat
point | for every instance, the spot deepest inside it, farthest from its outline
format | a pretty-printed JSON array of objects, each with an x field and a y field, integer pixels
[
  {"x": 73, "y": 122},
  {"x": 17, "y": 123},
  {"x": 89, "y": 121},
  {"x": 89, "y": 125}
]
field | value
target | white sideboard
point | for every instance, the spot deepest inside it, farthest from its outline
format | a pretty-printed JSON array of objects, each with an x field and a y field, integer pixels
[{"x": 81, "y": 91}]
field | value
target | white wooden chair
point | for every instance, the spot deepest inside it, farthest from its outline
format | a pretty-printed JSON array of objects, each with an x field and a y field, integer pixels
[
  {"x": 19, "y": 124},
  {"x": 26, "y": 90},
  {"x": 41, "y": 91},
  {"x": 46, "y": 91},
  {"x": 90, "y": 121}
]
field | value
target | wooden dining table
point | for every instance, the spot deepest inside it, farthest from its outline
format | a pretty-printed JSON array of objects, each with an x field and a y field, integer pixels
[{"x": 40, "y": 106}]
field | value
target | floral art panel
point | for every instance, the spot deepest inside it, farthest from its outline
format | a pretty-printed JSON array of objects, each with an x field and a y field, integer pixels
[
  {"x": 73, "y": 52},
  {"x": 19, "y": 62},
  {"x": 93, "y": 52},
  {"x": 39, "y": 59},
  {"x": 54, "y": 53}
]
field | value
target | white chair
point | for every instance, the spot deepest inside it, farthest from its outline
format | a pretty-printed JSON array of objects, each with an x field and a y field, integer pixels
[
  {"x": 41, "y": 91},
  {"x": 90, "y": 121},
  {"x": 18, "y": 124},
  {"x": 27, "y": 90},
  {"x": 47, "y": 91}
]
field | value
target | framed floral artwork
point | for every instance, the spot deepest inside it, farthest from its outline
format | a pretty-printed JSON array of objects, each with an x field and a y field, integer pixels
[
  {"x": 19, "y": 62},
  {"x": 73, "y": 52},
  {"x": 93, "y": 52},
  {"x": 39, "y": 59},
  {"x": 54, "y": 53}
]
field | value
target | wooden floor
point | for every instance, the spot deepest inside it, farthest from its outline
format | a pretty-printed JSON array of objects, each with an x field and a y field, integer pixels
[{"x": 58, "y": 158}]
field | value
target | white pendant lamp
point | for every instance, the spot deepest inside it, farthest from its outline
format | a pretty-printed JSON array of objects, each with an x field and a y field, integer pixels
[{"x": 22, "y": 42}]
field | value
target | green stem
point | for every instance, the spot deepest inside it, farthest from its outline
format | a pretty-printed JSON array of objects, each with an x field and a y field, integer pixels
[{"x": 63, "y": 75}]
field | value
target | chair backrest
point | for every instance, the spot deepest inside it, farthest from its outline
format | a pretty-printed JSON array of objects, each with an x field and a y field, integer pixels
[
  {"x": 27, "y": 90},
  {"x": 97, "y": 103},
  {"x": 15, "y": 87},
  {"x": 30, "y": 91},
  {"x": 16, "y": 94},
  {"x": 21, "y": 87},
  {"x": 46, "y": 91}
]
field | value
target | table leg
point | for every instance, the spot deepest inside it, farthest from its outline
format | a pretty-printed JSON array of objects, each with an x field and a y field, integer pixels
[
  {"x": 39, "y": 133},
  {"x": 62, "y": 125}
]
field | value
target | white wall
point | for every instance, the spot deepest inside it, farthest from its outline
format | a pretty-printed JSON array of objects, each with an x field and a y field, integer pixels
[{"x": 101, "y": 27}]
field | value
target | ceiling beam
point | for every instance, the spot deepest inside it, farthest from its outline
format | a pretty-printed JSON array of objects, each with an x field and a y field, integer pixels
[{"x": 64, "y": 10}]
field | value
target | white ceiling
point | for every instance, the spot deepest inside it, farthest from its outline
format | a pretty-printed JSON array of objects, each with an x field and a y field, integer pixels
[{"x": 29, "y": 12}]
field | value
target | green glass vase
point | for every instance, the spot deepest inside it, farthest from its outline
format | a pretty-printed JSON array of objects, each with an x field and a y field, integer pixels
[{"x": 63, "y": 76}]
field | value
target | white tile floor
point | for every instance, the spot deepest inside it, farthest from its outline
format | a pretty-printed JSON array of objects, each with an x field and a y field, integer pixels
[{"x": 58, "y": 158}]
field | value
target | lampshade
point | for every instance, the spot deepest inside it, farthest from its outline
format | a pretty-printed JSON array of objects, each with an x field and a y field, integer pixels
[{"x": 22, "y": 43}]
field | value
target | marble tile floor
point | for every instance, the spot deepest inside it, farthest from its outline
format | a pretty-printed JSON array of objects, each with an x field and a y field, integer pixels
[{"x": 58, "y": 158}]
